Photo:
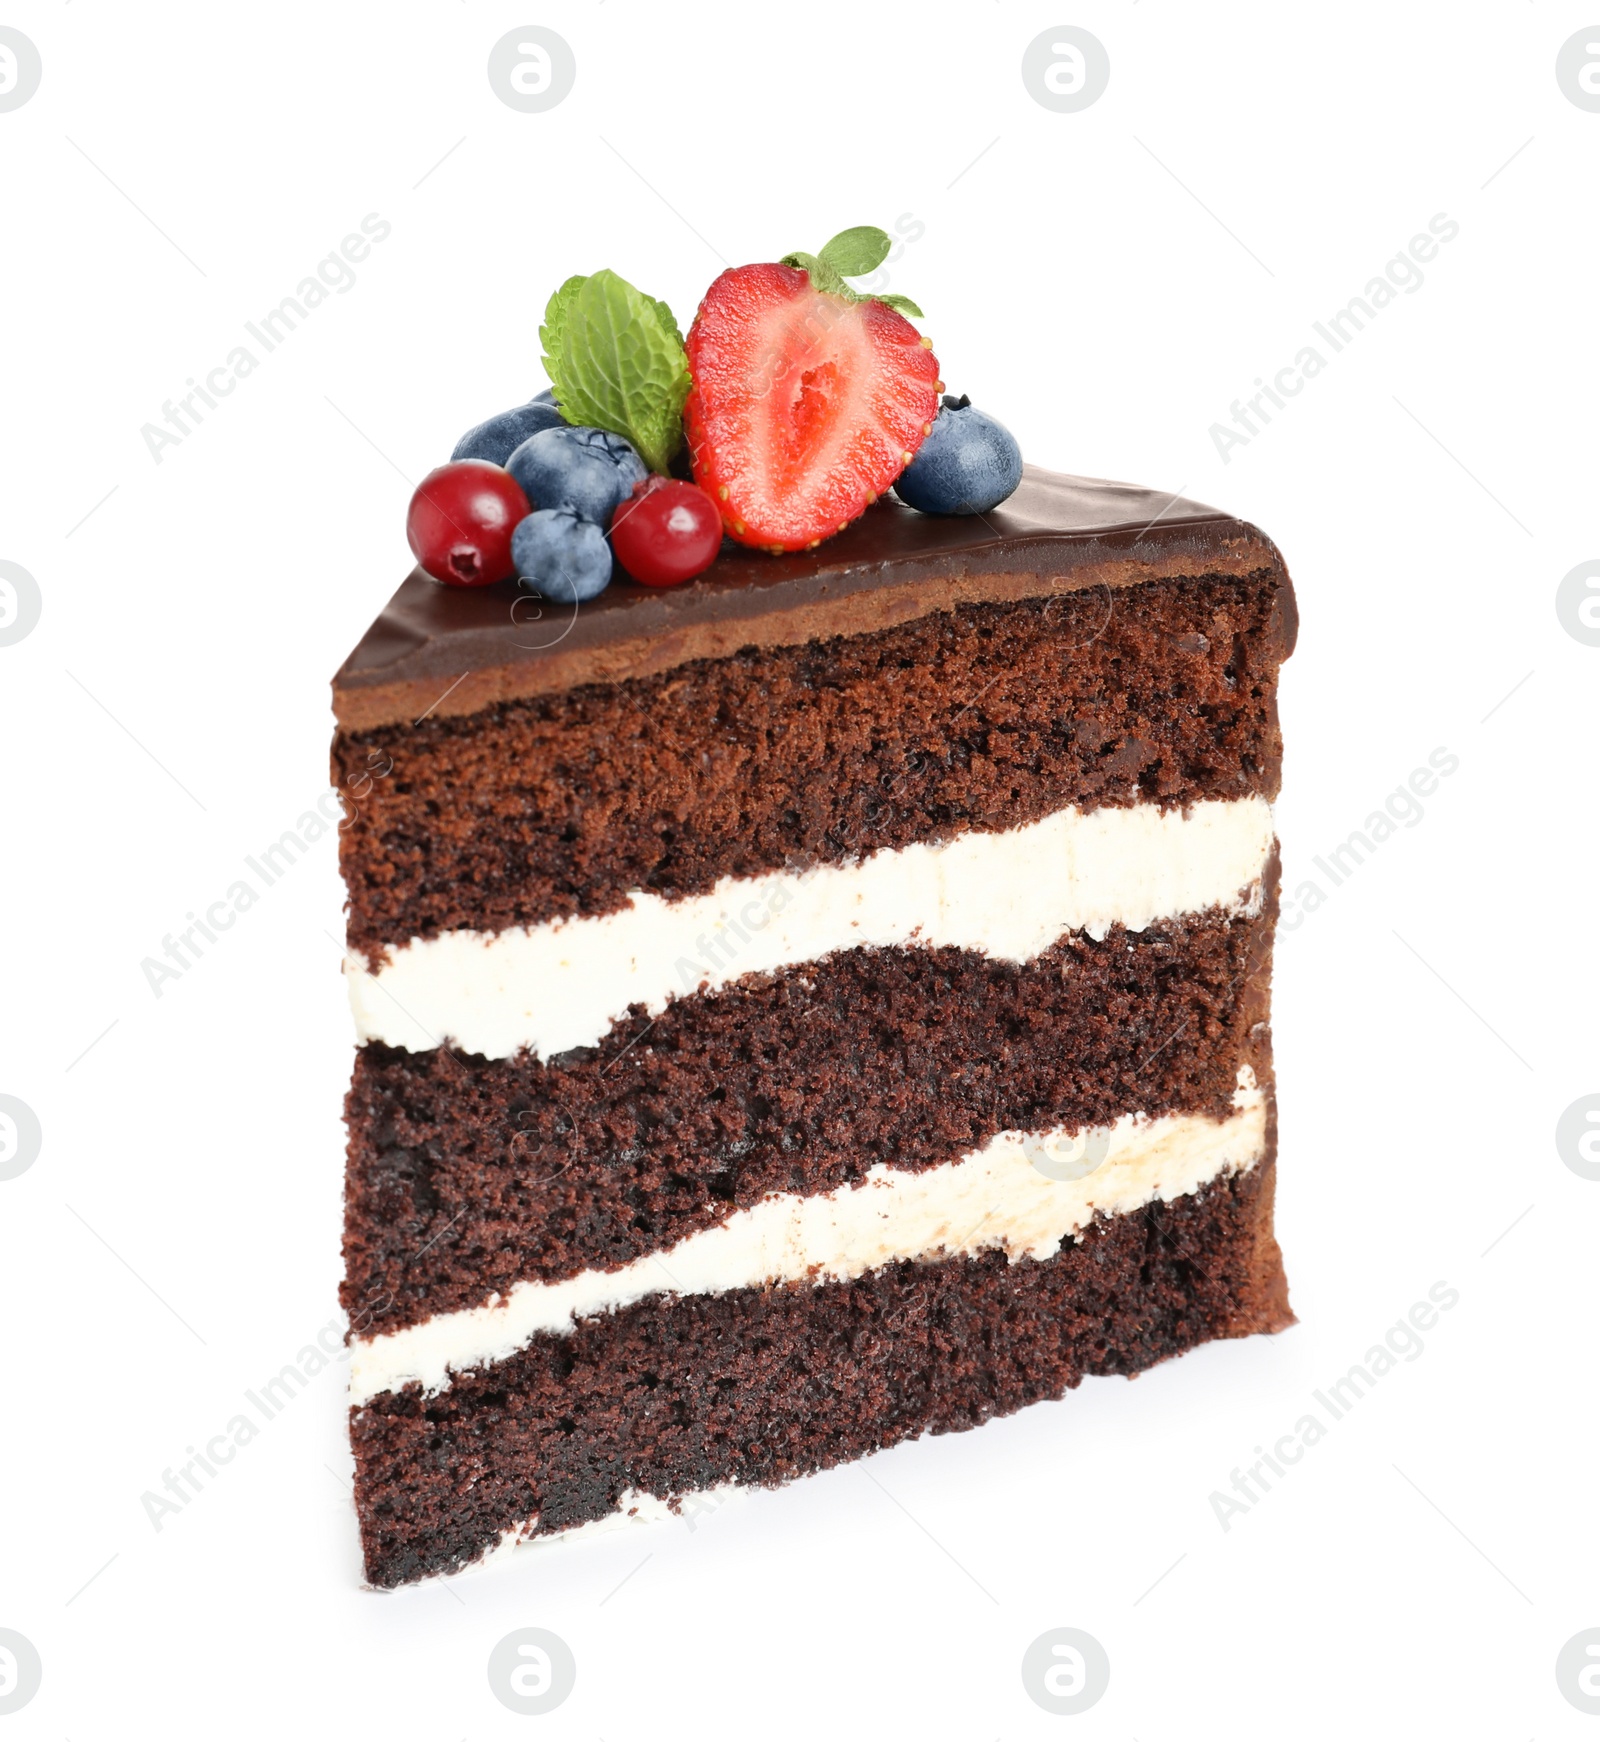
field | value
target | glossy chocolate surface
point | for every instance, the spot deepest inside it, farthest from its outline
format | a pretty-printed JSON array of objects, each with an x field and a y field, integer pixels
[{"x": 436, "y": 649}]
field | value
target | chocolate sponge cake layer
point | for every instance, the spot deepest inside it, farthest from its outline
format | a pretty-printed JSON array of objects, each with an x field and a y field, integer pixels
[
  {"x": 758, "y": 1386},
  {"x": 983, "y": 717},
  {"x": 468, "y": 1175}
]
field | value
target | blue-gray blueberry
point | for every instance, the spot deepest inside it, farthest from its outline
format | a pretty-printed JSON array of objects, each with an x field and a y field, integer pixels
[
  {"x": 589, "y": 471},
  {"x": 967, "y": 464},
  {"x": 564, "y": 556},
  {"x": 499, "y": 437}
]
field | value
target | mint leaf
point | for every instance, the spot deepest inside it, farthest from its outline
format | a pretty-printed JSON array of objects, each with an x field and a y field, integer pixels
[
  {"x": 853, "y": 253},
  {"x": 900, "y": 304},
  {"x": 666, "y": 319},
  {"x": 616, "y": 361},
  {"x": 552, "y": 333}
]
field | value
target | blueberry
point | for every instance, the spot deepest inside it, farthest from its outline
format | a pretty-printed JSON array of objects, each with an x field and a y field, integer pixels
[
  {"x": 565, "y": 557},
  {"x": 581, "y": 469},
  {"x": 496, "y": 440},
  {"x": 548, "y": 397},
  {"x": 620, "y": 453},
  {"x": 968, "y": 465}
]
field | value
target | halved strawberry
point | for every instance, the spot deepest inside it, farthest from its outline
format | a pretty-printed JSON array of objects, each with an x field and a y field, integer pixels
[{"x": 805, "y": 407}]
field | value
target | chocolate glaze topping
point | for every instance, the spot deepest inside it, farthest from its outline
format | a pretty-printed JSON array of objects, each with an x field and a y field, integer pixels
[{"x": 450, "y": 650}]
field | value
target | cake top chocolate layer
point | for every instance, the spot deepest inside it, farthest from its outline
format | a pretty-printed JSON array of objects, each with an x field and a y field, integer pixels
[{"x": 450, "y": 650}]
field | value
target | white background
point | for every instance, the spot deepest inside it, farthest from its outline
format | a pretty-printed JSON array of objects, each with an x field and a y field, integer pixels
[{"x": 1107, "y": 283}]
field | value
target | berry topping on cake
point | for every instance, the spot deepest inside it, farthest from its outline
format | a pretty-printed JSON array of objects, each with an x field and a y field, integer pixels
[
  {"x": 968, "y": 465},
  {"x": 564, "y": 556},
  {"x": 586, "y": 470},
  {"x": 666, "y": 532},
  {"x": 460, "y": 522},
  {"x": 808, "y": 400},
  {"x": 804, "y": 397},
  {"x": 631, "y": 470},
  {"x": 497, "y": 438}
]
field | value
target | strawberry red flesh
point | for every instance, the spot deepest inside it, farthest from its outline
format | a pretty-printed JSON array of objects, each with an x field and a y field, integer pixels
[{"x": 805, "y": 406}]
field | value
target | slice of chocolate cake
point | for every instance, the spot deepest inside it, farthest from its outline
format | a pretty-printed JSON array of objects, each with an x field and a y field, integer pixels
[{"x": 819, "y": 1005}]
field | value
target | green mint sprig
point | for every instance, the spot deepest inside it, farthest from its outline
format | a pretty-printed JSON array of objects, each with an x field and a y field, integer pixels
[
  {"x": 616, "y": 361},
  {"x": 851, "y": 254}
]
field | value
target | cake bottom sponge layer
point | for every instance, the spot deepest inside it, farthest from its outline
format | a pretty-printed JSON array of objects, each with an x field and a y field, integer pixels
[{"x": 677, "y": 1394}]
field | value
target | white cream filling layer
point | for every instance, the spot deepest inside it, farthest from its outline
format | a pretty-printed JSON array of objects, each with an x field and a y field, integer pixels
[
  {"x": 1008, "y": 895},
  {"x": 1023, "y": 1192}
]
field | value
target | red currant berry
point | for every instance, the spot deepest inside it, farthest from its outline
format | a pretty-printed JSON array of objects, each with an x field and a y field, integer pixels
[
  {"x": 460, "y": 522},
  {"x": 666, "y": 532}
]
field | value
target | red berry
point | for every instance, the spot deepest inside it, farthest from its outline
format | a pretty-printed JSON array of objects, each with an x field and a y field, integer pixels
[
  {"x": 460, "y": 522},
  {"x": 805, "y": 406},
  {"x": 666, "y": 532}
]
